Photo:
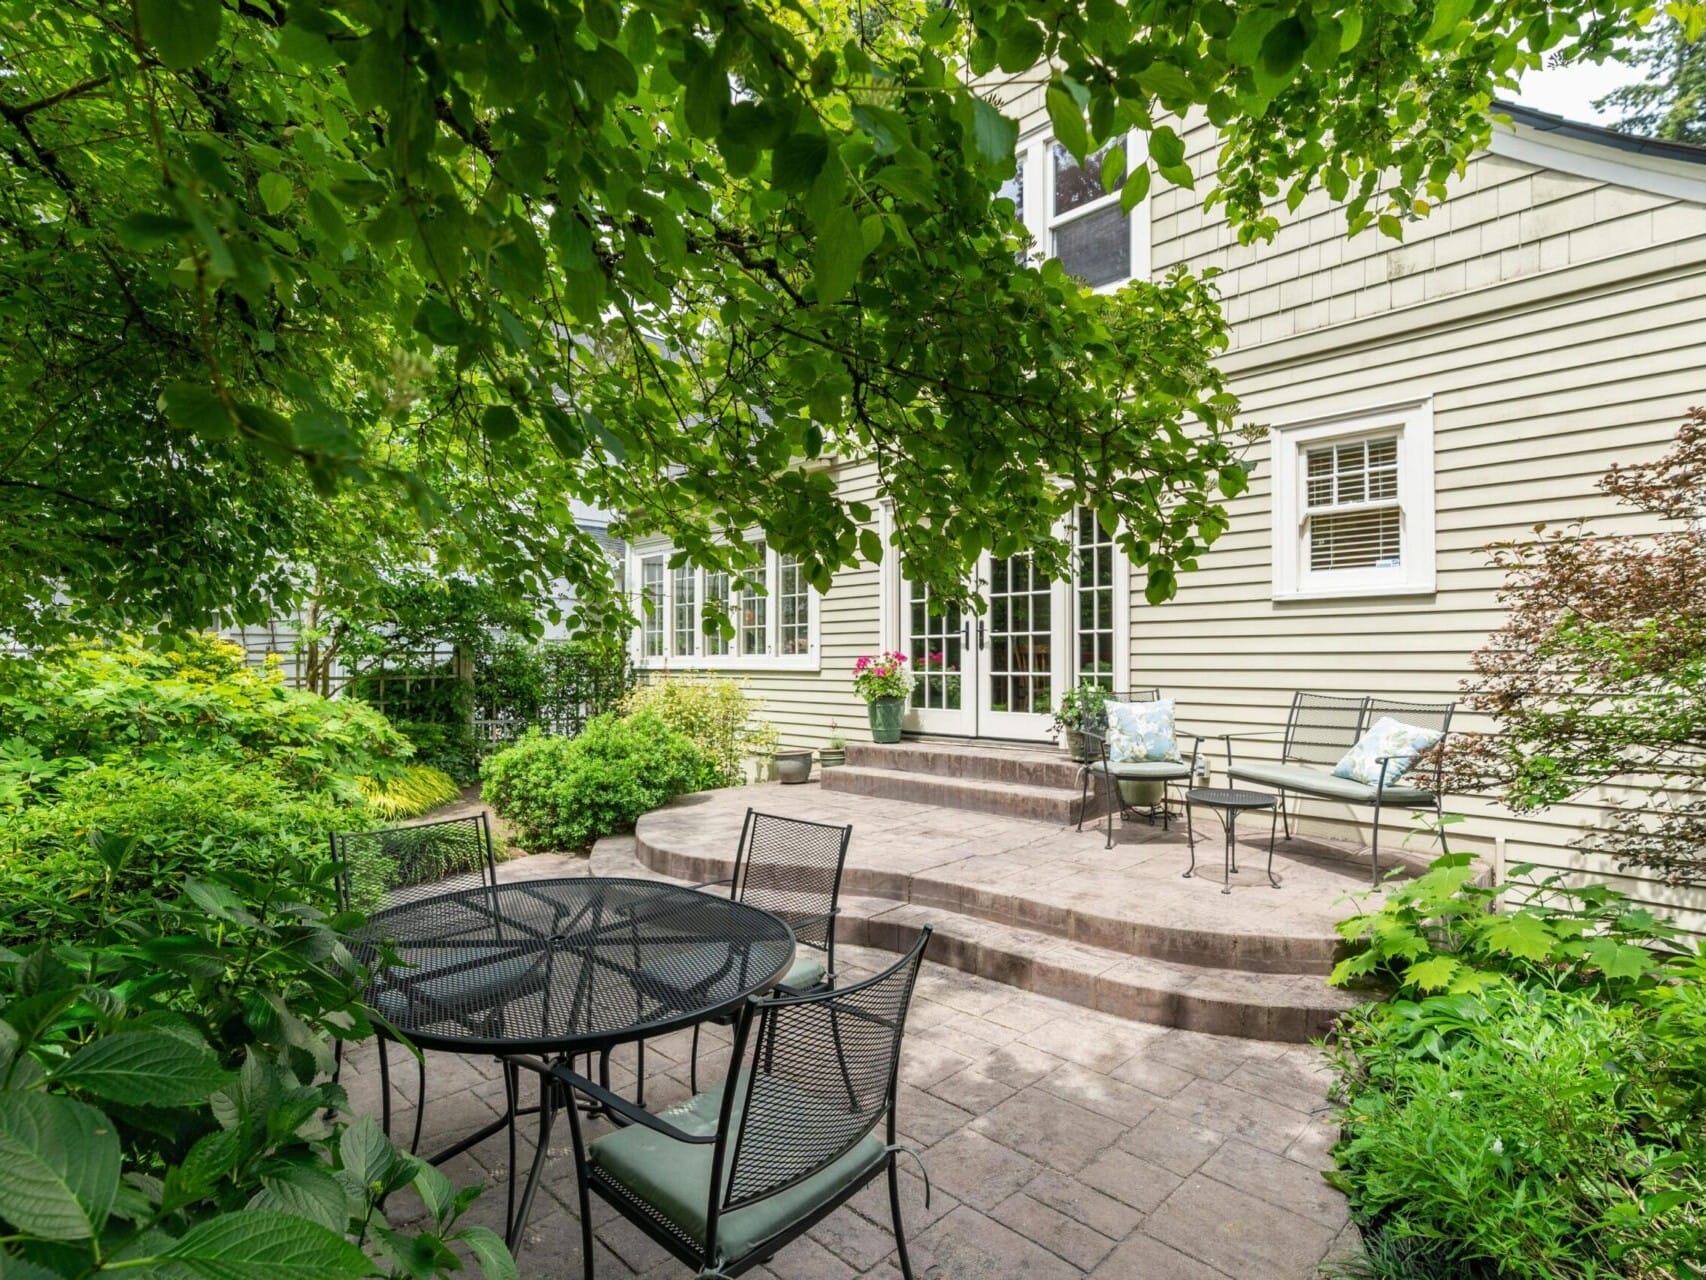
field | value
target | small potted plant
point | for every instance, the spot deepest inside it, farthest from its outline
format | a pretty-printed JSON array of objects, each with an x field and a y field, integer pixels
[
  {"x": 884, "y": 681},
  {"x": 1077, "y": 706},
  {"x": 835, "y": 752},
  {"x": 793, "y": 764}
]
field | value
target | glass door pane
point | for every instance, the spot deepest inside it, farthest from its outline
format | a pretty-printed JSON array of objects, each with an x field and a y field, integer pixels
[{"x": 1019, "y": 649}]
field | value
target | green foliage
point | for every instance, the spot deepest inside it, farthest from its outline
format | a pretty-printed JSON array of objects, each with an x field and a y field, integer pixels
[
  {"x": 714, "y": 714},
  {"x": 1544, "y": 1114},
  {"x": 164, "y": 1091},
  {"x": 564, "y": 793},
  {"x": 417, "y": 789},
  {"x": 292, "y": 293},
  {"x": 184, "y": 818},
  {"x": 556, "y": 686},
  {"x": 1670, "y": 100},
  {"x": 1442, "y": 932},
  {"x": 1084, "y": 703},
  {"x": 161, "y": 703}
]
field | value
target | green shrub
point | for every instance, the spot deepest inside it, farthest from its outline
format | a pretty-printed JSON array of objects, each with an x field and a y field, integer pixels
[
  {"x": 1530, "y": 1099},
  {"x": 167, "y": 700},
  {"x": 564, "y": 793},
  {"x": 714, "y": 712},
  {"x": 190, "y": 817}
]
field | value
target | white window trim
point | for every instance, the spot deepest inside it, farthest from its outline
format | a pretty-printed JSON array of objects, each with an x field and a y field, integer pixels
[
  {"x": 1039, "y": 217},
  {"x": 771, "y": 660},
  {"x": 1292, "y": 579}
]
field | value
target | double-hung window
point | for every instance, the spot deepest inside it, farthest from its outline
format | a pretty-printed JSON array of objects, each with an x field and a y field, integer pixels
[
  {"x": 1353, "y": 505},
  {"x": 770, "y": 607},
  {"x": 1072, "y": 217}
]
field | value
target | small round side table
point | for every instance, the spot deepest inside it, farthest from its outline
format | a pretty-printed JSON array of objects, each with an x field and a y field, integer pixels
[{"x": 1227, "y": 803}]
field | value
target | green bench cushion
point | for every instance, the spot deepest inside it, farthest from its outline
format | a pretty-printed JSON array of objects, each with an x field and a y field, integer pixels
[
  {"x": 675, "y": 1177},
  {"x": 1319, "y": 782},
  {"x": 806, "y": 972},
  {"x": 1150, "y": 770}
]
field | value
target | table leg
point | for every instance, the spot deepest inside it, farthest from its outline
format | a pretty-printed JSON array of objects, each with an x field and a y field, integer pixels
[{"x": 1229, "y": 822}]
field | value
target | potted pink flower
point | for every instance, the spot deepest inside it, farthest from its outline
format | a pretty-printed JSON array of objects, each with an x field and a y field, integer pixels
[{"x": 884, "y": 681}]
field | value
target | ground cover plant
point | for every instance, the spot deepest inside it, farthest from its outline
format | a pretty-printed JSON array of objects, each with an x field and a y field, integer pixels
[
  {"x": 564, "y": 793},
  {"x": 1529, "y": 1098}
]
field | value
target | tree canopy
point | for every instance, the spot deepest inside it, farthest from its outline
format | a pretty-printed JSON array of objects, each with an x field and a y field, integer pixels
[
  {"x": 328, "y": 283},
  {"x": 1670, "y": 100}
]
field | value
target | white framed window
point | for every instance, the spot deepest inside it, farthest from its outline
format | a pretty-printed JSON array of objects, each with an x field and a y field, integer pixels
[
  {"x": 773, "y": 611},
  {"x": 684, "y": 612},
  {"x": 1354, "y": 504},
  {"x": 1070, "y": 216},
  {"x": 653, "y": 607}
]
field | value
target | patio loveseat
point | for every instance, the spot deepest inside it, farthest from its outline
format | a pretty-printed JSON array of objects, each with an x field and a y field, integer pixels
[{"x": 1319, "y": 730}]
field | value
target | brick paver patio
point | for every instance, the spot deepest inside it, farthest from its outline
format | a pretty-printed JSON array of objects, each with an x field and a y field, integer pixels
[{"x": 1060, "y": 1142}]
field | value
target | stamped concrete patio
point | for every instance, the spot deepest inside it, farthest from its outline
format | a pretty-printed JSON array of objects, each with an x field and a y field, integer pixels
[
  {"x": 1060, "y": 1143},
  {"x": 1069, "y": 1125}
]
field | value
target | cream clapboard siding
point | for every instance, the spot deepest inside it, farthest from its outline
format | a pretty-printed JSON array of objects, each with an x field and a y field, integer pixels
[{"x": 1558, "y": 322}]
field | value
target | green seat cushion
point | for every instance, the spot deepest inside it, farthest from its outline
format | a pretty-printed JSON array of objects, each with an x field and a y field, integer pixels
[
  {"x": 1319, "y": 782},
  {"x": 806, "y": 972},
  {"x": 1151, "y": 770},
  {"x": 675, "y": 1177},
  {"x": 457, "y": 977}
]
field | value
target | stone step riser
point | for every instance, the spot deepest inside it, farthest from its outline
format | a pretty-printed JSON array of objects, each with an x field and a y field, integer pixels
[
  {"x": 1249, "y": 953},
  {"x": 1014, "y": 768},
  {"x": 1059, "y": 806},
  {"x": 1132, "y": 1000}
]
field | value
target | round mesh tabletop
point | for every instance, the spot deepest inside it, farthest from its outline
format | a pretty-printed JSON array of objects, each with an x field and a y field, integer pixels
[
  {"x": 1230, "y": 798},
  {"x": 565, "y": 966}
]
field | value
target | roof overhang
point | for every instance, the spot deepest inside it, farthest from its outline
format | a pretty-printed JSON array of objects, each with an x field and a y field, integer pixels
[{"x": 1675, "y": 169}]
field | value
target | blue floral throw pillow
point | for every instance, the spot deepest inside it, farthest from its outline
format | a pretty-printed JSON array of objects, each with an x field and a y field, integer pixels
[
  {"x": 1141, "y": 731},
  {"x": 1386, "y": 737}
]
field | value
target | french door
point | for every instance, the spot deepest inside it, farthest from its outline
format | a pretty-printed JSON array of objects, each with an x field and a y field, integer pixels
[{"x": 1000, "y": 673}]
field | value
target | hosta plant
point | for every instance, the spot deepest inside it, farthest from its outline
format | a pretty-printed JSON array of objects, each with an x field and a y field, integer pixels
[{"x": 164, "y": 1093}]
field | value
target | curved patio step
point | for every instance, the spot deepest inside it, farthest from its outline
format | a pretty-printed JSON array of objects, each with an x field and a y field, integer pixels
[
  {"x": 1034, "y": 802},
  {"x": 1170, "y": 922},
  {"x": 1288, "y": 1007}
]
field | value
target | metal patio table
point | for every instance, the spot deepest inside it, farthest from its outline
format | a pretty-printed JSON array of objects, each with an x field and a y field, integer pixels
[
  {"x": 1227, "y": 804},
  {"x": 560, "y": 968}
]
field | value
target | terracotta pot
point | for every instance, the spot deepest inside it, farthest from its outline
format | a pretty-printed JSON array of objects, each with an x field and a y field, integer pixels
[{"x": 886, "y": 715}]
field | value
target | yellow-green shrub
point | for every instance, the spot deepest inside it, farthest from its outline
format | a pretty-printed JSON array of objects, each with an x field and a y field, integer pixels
[
  {"x": 411, "y": 791},
  {"x": 714, "y": 712}
]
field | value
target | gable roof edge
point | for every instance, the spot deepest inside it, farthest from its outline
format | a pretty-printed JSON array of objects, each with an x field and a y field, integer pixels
[{"x": 1675, "y": 169}]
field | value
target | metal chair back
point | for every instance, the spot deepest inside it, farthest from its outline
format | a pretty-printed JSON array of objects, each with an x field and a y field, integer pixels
[
  {"x": 810, "y": 1077},
  {"x": 1321, "y": 727},
  {"x": 792, "y": 868},
  {"x": 400, "y": 864}
]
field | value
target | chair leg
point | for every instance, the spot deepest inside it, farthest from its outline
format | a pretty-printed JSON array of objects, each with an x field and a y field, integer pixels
[
  {"x": 1374, "y": 847},
  {"x": 640, "y": 1077},
  {"x": 512, "y": 1086},
  {"x": 693, "y": 1062},
  {"x": 1439, "y": 825},
  {"x": 1083, "y": 794},
  {"x": 899, "y": 1230},
  {"x": 1273, "y": 828},
  {"x": 420, "y": 1103},
  {"x": 1112, "y": 791},
  {"x": 1285, "y": 813}
]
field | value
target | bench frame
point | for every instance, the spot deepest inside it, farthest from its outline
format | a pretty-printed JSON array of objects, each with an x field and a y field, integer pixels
[{"x": 1321, "y": 727}]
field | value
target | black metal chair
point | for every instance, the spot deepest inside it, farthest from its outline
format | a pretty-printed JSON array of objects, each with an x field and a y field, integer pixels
[
  {"x": 729, "y": 1177},
  {"x": 1111, "y": 772},
  {"x": 386, "y": 868},
  {"x": 1319, "y": 729},
  {"x": 791, "y": 868}
]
